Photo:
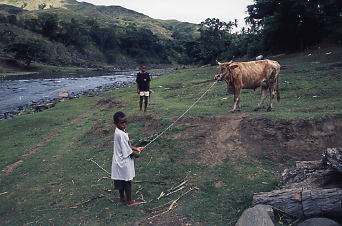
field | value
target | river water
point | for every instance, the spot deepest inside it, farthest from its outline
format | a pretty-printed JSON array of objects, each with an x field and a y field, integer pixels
[{"x": 16, "y": 92}]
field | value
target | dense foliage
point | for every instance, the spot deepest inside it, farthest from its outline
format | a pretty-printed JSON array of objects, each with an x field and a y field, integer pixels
[
  {"x": 295, "y": 24},
  {"x": 273, "y": 26},
  {"x": 139, "y": 44}
]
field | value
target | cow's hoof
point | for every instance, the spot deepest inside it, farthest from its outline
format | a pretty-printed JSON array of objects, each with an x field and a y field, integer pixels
[
  {"x": 232, "y": 111},
  {"x": 238, "y": 110},
  {"x": 256, "y": 109},
  {"x": 269, "y": 109}
]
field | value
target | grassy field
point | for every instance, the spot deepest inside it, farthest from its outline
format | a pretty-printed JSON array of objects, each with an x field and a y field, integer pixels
[{"x": 53, "y": 181}]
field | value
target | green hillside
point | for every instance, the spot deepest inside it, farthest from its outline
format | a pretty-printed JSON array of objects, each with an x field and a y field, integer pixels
[
  {"x": 70, "y": 33},
  {"x": 108, "y": 14}
]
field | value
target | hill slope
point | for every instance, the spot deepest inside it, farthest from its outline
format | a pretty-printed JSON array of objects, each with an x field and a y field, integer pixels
[
  {"x": 109, "y": 14},
  {"x": 71, "y": 33}
]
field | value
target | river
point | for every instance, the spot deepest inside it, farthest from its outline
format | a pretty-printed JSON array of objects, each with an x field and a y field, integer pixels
[{"x": 16, "y": 92}]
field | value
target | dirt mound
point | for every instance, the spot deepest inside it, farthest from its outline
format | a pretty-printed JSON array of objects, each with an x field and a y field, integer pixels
[
  {"x": 210, "y": 140},
  {"x": 291, "y": 140}
]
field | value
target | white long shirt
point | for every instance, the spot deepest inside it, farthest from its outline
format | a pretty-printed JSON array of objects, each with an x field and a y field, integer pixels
[{"x": 122, "y": 163}]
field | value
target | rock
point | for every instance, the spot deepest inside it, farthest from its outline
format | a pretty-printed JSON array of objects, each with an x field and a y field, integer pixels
[
  {"x": 319, "y": 222},
  {"x": 260, "y": 57},
  {"x": 40, "y": 108},
  {"x": 259, "y": 215},
  {"x": 63, "y": 94},
  {"x": 332, "y": 157}
]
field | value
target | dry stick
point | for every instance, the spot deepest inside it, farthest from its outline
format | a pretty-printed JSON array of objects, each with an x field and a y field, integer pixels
[
  {"x": 91, "y": 159},
  {"x": 173, "y": 187},
  {"x": 87, "y": 201},
  {"x": 149, "y": 161},
  {"x": 103, "y": 178},
  {"x": 174, "y": 202},
  {"x": 181, "y": 184},
  {"x": 152, "y": 182},
  {"x": 165, "y": 195},
  {"x": 178, "y": 188}
]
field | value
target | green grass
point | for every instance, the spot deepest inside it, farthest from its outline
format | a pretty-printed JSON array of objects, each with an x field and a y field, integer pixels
[{"x": 58, "y": 175}]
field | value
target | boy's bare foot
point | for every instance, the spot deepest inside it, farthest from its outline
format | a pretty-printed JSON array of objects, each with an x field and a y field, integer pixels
[
  {"x": 123, "y": 202},
  {"x": 133, "y": 203}
]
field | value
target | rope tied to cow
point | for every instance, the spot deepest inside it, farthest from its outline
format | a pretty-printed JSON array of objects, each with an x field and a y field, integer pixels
[
  {"x": 167, "y": 128},
  {"x": 181, "y": 116}
]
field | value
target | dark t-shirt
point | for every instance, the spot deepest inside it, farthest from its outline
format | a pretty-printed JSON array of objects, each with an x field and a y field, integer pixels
[{"x": 143, "y": 80}]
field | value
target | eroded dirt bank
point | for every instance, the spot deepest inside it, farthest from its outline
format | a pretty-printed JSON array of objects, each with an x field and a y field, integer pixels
[{"x": 210, "y": 140}]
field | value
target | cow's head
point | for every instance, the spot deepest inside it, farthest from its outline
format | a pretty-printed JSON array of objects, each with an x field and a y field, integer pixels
[{"x": 225, "y": 70}]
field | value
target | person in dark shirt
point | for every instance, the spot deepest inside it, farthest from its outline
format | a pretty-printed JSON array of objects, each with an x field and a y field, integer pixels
[{"x": 143, "y": 87}]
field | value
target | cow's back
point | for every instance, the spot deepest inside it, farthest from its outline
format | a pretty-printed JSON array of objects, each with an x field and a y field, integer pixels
[{"x": 252, "y": 73}]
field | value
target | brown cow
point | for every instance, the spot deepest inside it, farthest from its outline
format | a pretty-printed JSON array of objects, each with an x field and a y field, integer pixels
[{"x": 250, "y": 75}]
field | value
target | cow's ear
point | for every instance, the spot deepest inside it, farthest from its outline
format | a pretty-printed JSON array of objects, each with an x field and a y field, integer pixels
[{"x": 233, "y": 66}]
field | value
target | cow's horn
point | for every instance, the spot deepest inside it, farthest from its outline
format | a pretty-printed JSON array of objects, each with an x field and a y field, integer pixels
[{"x": 218, "y": 62}]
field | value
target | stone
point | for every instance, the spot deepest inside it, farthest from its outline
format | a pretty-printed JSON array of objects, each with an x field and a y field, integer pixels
[
  {"x": 259, "y": 215},
  {"x": 319, "y": 222},
  {"x": 333, "y": 158},
  {"x": 63, "y": 94}
]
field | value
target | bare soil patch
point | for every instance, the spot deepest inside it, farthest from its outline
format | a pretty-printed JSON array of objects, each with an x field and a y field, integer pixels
[{"x": 211, "y": 140}]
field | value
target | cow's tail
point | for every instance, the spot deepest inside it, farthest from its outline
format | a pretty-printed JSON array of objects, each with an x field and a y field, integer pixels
[
  {"x": 277, "y": 86},
  {"x": 278, "y": 93}
]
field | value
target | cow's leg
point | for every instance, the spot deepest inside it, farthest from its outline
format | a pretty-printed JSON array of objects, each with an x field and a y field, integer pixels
[
  {"x": 238, "y": 105},
  {"x": 236, "y": 99},
  {"x": 262, "y": 97},
  {"x": 273, "y": 92}
]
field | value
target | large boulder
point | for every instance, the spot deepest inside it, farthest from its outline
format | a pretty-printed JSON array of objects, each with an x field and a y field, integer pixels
[
  {"x": 319, "y": 222},
  {"x": 259, "y": 215}
]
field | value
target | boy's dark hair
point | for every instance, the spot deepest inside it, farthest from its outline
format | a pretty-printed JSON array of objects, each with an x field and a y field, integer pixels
[{"x": 117, "y": 116}]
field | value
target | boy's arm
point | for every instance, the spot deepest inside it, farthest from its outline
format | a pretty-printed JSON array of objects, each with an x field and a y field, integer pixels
[
  {"x": 138, "y": 91},
  {"x": 139, "y": 149},
  {"x": 136, "y": 151}
]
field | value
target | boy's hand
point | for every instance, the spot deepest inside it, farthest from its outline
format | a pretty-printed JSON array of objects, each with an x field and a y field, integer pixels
[{"x": 140, "y": 148}]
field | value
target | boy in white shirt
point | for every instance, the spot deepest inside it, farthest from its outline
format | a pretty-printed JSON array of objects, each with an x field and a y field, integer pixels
[{"x": 124, "y": 153}]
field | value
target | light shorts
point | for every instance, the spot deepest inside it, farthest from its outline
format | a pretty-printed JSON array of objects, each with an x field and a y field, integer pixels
[{"x": 144, "y": 93}]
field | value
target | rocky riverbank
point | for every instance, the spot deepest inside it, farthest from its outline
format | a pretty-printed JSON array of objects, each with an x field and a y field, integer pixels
[{"x": 43, "y": 104}]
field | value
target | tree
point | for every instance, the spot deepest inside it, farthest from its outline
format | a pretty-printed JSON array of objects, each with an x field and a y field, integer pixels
[
  {"x": 48, "y": 24},
  {"x": 7, "y": 36},
  {"x": 26, "y": 51},
  {"x": 214, "y": 39},
  {"x": 73, "y": 33},
  {"x": 294, "y": 24}
]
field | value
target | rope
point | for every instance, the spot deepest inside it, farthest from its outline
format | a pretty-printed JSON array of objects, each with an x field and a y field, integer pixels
[
  {"x": 160, "y": 134},
  {"x": 180, "y": 116}
]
